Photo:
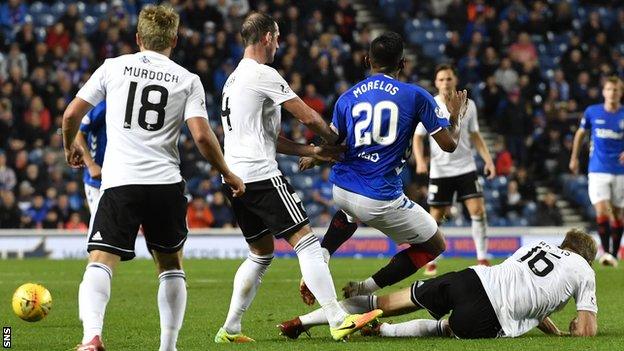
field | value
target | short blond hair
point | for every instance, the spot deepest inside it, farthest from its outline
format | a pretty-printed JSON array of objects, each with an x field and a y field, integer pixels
[
  {"x": 158, "y": 26},
  {"x": 580, "y": 242},
  {"x": 615, "y": 80}
]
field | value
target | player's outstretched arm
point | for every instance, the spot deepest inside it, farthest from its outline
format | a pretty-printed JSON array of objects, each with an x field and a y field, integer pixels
[
  {"x": 448, "y": 138},
  {"x": 209, "y": 147},
  {"x": 311, "y": 119},
  {"x": 549, "y": 327},
  {"x": 585, "y": 324},
  {"x": 482, "y": 149},
  {"x": 576, "y": 146},
  {"x": 323, "y": 153},
  {"x": 71, "y": 122}
]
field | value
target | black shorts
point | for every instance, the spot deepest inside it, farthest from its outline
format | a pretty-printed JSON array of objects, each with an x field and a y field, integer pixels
[
  {"x": 268, "y": 206},
  {"x": 472, "y": 315},
  {"x": 442, "y": 190},
  {"x": 160, "y": 209}
]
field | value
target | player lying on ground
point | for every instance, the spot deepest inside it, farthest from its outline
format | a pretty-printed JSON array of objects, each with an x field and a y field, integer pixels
[
  {"x": 367, "y": 185},
  {"x": 506, "y": 300}
]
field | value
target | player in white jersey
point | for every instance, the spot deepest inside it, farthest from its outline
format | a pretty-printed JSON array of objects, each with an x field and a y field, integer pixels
[
  {"x": 251, "y": 115},
  {"x": 506, "y": 300},
  {"x": 456, "y": 172},
  {"x": 148, "y": 98}
]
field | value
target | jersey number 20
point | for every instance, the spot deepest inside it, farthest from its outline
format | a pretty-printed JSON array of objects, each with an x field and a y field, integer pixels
[
  {"x": 146, "y": 105},
  {"x": 374, "y": 114}
]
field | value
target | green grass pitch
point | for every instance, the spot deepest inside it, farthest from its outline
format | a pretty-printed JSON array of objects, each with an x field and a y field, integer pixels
[{"x": 132, "y": 315}]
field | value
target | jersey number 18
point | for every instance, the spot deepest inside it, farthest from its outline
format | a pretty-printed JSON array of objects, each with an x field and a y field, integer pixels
[{"x": 146, "y": 105}]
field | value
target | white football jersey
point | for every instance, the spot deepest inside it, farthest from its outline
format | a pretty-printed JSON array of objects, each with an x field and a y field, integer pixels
[
  {"x": 534, "y": 282},
  {"x": 251, "y": 114},
  {"x": 148, "y": 97},
  {"x": 449, "y": 164}
]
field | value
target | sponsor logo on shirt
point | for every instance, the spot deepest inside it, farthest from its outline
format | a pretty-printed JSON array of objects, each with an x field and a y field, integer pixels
[{"x": 608, "y": 134}]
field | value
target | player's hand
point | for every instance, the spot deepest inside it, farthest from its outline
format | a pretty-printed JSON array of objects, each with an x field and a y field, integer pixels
[
  {"x": 306, "y": 163},
  {"x": 74, "y": 156},
  {"x": 622, "y": 158},
  {"x": 95, "y": 171},
  {"x": 573, "y": 326},
  {"x": 237, "y": 185},
  {"x": 329, "y": 153},
  {"x": 421, "y": 168},
  {"x": 457, "y": 104},
  {"x": 489, "y": 170},
  {"x": 574, "y": 165}
]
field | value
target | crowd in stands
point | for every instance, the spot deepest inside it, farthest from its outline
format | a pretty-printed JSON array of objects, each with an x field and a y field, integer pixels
[{"x": 531, "y": 67}]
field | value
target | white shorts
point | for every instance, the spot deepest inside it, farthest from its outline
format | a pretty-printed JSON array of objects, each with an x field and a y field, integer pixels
[
  {"x": 403, "y": 220},
  {"x": 604, "y": 186},
  {"x": 93, "y": 196}
]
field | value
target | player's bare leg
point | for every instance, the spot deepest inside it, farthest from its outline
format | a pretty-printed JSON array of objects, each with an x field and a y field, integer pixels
[
  {"x": 439, "y": 214},
  {"x": 476, "y": 208},
  {"x": 401, "y": 266},
  {"x": 246, "y": 283},
  {"x": 604, "y": 218},
  {"x": 171, "y": 297},
  {"x": 317, "y": 277},
  {"x": 93, "y": 296}
]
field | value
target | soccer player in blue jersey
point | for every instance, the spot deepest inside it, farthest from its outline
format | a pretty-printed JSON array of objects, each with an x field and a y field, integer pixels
[
  {"x": 605, "y": 123},
  {"x": 92, "y": 138},
  {"x": 376, "y": 119}
]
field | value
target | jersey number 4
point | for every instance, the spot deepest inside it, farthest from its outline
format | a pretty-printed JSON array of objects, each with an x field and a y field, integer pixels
[
  {"x": 146, "y": 105},
  {"x": 374, "y": 114}
]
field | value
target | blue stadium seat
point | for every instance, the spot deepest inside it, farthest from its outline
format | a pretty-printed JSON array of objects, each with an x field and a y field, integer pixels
[
  {"x": 37, "y": 8},
  {"x": 289, "y": 167},
  {"x": 45, "y": 20},
  {"x": 302, "y": 182},
  {"x": 433, "y": 49},
  {"x": 59, "y": 8}
]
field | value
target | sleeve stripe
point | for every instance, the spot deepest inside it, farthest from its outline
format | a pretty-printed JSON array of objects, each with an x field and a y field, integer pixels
[{"x": 435, "y": 131}]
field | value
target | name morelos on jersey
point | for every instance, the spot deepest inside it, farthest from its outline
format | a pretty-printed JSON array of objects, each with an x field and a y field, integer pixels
[
  {"x": 607, "y": 138},
  {"x": 376, "y": 119}
]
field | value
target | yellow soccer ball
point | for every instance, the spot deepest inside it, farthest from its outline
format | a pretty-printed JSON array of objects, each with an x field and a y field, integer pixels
[{"x": 32, "y": 302}]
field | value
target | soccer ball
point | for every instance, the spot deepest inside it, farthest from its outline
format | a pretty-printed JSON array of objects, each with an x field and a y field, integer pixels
[{"x": 32, "y": 302}]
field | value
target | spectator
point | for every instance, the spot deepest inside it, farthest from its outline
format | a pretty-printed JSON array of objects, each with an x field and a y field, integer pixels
[
  {"x": 75, "y": 222},
  {"x": 198, "y": 214},
  {"x": 52, "y": 221},
  {"x": 506, "y": 76},
  {"x": 322, "y": 190},
  {"x": 37, "y": 211},
  {"x": 58, "y": 36},
  {"x": 503, "y": 159},
  {"x": 515, "y": 125},
  {"x": 12, "y": 15},
  {"x": 547, "y": 212},
  {"x": 559, "y": 83},
  {"x": 523, "y": 50},
  {"x": 512, "y": 202},
  {"x": 312, "y": 99},
  {"x": 9, "y": 212},
  {"x": 7, "y": 175},
  {"x": 222, "y": 213}
]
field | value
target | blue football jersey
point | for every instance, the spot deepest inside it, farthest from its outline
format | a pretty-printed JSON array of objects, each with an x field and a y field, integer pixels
[
  {"x": 93, "y": 125},
  {"x": 376, "y": 118},
  {"x": 607, "y": 139}
]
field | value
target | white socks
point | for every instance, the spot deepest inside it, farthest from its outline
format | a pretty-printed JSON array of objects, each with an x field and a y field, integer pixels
[
  {"x": 356, "y": 304},
  {"x": 414, "y": 328},
  {"x": 368, "y": 286},
  {"x": 317, "y": 277},
  {"x": 246, "y": 283},
  {"x": 479, "y": 236},
  {"x": 171, "y": 306},
  {"x": 93, "y": 296}
]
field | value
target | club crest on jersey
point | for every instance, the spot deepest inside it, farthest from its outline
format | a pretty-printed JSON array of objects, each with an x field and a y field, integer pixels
[
  {"x": 438, "y": 112},
  {"x": 144, "y": 59}
]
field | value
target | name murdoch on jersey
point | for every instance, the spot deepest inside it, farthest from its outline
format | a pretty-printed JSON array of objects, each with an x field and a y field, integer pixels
[{"x": 149, "y": 74}]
